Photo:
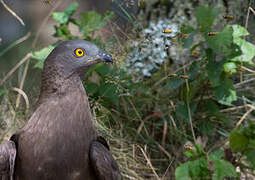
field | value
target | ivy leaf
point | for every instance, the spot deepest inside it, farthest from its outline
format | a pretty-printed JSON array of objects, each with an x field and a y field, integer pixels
[
  {"x": 237, "y": 141},
  {"x": 205, "y": 17},
  {"x": 247, "y": 49},
  {"x": 41, "y": 55}
]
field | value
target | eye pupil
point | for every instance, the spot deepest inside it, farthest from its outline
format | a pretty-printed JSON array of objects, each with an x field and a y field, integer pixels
[{"x": 80, "y": 52}]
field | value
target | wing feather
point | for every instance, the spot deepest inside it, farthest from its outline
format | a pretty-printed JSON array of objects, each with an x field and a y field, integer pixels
[
  {"x": 103, "y": 162},
  {"x": 7, "y": 160}
]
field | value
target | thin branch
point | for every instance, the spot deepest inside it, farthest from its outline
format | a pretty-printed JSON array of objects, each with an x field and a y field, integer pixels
[{"x": 12, "y": 12}]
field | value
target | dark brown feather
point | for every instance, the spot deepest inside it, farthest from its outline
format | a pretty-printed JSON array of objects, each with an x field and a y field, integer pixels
[
  {"x": 103, "y": 163},
  {"x": 7, "y": 158}
]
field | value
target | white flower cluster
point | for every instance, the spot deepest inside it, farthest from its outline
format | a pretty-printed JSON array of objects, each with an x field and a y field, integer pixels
[{"x": 147, "y": 55}]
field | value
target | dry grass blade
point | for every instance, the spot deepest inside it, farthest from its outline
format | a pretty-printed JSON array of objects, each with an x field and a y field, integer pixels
[
  {"x": 15, "y": 43},
  {"x": 21, "y": 92},
  {"x": 252, "y": 108},
  {"x": 149, "y": 162},
  {"x": 13, "y": 13},
  {"x": 244, "y": 82},
  {"x": 15, "y": 67},
  {"x": 22, "y": 83}
]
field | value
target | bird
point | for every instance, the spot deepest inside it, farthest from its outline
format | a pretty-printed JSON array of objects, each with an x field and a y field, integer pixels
[{"x": 59, "y": 141}]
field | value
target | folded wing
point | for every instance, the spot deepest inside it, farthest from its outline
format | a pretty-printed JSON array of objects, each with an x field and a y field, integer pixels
[
  {"x": 102, "y": 161},
  {"x": 7, "y": 159}
]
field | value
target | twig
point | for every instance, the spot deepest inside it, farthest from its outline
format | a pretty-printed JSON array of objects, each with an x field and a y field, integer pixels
[
  {"x": 13, "y": 13},
  {"x": 15, "y": 43},
  {"x": 15, "y": 67}
]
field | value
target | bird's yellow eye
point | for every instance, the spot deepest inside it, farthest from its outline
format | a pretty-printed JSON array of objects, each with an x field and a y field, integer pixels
[{"x": 79, "y": 52}]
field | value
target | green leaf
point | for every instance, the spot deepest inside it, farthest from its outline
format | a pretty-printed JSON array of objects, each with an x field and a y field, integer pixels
[
  {"x": 41, "y": 55},
  {"x": 3, "y": 92},
  {"x": 213, "y": 68},
  {"x": 60, "y": 17},
  {"x": 239, "y": 31},
  {"x": 182, "y": 171},
  {"x": 221, "y": 43},
  {"x": 225, "y": 92},
  {"x": 70, "y": 10},
  {"x": 197, "y": 170},
  {"x": 205, "y": 17},
  {"x": 109, "y": 91},
  {"x": 63, "y": 17},
  {"x": 187, "y": 42},
  {"x": 212, "y": 109},
  {"x": 92, "y": 21},
  {"x": 247, "y": 49},
  {"x": 230, "y": 67},
  {"x": 193, "y": 70},
  {"x": 91, "y": 88},
  {"x": 217, "y": 155},
  {"x": 222, "y": 169},
  {"x": 182, "y": 110},
  {"x": 191, "y": 154},
  {"x": 173, "y": 83},
  {"x": 251, "y": 157},
  {"x": 237, "y": 141}
]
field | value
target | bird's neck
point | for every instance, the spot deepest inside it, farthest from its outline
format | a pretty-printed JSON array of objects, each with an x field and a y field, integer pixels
[{"x": 56, "y": 83}]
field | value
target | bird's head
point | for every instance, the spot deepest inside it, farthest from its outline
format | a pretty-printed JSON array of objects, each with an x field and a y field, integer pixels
[{"x": 76, "y": 56}]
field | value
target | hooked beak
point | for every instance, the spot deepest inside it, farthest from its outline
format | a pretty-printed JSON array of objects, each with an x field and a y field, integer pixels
[{"x": 104, "y": 57}]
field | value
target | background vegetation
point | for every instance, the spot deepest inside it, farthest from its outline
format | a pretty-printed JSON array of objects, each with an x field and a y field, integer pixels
[{"x": 178, "y": 103}]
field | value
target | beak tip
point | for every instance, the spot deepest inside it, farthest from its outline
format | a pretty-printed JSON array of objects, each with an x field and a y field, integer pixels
[
  {"x": 108, "y": 58},
  {"x": 105, "y": 57}
]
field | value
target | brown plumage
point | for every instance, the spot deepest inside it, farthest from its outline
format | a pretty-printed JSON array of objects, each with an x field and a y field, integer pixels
[{"x": 59, "y": 141}]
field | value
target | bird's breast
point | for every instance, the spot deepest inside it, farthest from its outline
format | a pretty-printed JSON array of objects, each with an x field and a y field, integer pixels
[{"x": 56, "y": 140}]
